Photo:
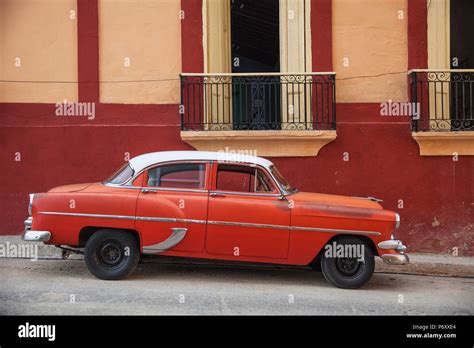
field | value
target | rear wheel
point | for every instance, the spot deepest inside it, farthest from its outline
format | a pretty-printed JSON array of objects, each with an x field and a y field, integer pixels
[
  {"x": 111, "y": 254},
  {"x": 348, "y": 262}
]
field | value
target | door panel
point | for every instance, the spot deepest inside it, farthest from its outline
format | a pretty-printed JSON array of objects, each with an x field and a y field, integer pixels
[
  {"x": 179, "y": 205},
  {"x": 174, "y": 196},
  {"x": 224, "y": 235}
]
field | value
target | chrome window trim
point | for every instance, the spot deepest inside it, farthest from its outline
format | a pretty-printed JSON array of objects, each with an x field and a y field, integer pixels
[
  {"x": 121, "y": 186},
  {"x": 156, "y": 189},
  {"x": 254, "y": 194},
  {"x": 212, "y": 222},
  {"x": 127, "y": 184},
  {"x": 164, "y": 164}
]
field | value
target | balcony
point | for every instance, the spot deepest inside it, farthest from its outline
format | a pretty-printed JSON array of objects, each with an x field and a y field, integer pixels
[
  {"x": 443, "y": 121},
  {"x": 259, "y": 112}
]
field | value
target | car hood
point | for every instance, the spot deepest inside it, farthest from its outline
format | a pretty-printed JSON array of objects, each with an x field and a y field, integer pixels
[
  {"x": 309, "y": 198},
  {"x": 70, "y": 188}
]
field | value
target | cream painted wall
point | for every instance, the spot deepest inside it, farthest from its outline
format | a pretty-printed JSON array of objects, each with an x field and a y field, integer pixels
[
  {"x": 148, "y": 33},
  {"x": 371, "y": 36},
  {"x": 44, "y": 37}
]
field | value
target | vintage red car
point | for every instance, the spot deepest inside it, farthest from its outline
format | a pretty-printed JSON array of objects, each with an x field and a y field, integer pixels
[{"x": 214, "y": 205}]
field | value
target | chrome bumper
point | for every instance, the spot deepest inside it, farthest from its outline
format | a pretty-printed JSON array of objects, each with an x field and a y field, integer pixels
[
  {"x": 392, "y": 244},
  {"x": 395, "y": 259},
  {"x": 34, "y": 236}
]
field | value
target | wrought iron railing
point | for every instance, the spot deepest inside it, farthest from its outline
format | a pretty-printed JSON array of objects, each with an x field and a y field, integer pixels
[
  {"x": 258, "y": 101},
  {"x": 443, "y": 100}
]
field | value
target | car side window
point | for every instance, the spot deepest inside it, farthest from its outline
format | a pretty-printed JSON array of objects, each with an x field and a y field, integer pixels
[
  {"x": 240, "y": 178},
  {"x": 182, "y": 175}
]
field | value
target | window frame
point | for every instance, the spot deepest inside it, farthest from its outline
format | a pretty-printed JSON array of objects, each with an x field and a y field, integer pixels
[
  {"x": 276, "y": 193},
  {"x": 207, "y": 166}
]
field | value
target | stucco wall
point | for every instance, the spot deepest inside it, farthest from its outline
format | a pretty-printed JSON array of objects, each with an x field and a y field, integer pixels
[
  {"x": 147, "y": 34},
  {"x": 42, "y": 34},
  {"x": 370, "y": 37}
]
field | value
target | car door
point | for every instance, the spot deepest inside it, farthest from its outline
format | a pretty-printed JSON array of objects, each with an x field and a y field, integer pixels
[
  {"x": 246, "y": 216},
  {"x": 173, "y": 196}
]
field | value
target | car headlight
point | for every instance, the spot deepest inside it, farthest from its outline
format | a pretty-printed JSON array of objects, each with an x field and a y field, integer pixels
[
  {"x": 397, "y": 221},
  {"x": 30, "y": 205}
]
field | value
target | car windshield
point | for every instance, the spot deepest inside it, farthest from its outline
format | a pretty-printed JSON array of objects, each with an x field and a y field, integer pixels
[
  {"x": 284, "y": 184},
  {"x": 121, "y": 176}
]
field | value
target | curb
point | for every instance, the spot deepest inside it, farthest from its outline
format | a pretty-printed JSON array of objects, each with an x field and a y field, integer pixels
[
  {"x": 420, "y": 264},
  {"x": 431, "y": 264}
]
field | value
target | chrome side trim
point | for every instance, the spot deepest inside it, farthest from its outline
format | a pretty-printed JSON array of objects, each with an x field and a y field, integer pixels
[
  {"x": 330, "y": 230},
  {"x": 247, "y": 224},
  {"x": 177, "y": 235},
  {"x": 292, "y": 228},
  {"x": 159, "y": 219},
  {"x": 36, "y": 236},
  {"x": 211, "y": 222},
  {"x": 102, "y": 216},
  {"x": 125, "y": 217}
]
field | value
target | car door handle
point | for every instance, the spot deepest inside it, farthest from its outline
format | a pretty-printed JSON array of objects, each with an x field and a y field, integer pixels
[
  {"x": 216, "y": 194},
  {"x": 148, "y": 191}
]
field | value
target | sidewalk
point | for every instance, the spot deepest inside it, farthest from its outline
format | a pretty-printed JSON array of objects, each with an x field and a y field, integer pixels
[{"x": 420, "y": 264}]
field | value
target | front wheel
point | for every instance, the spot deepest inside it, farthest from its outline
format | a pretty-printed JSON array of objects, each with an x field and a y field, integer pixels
[
  {"x": 111, "y": 254},
  {"x": 348, "y": 262}
]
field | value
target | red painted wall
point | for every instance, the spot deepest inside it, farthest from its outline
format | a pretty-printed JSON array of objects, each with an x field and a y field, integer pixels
[{"x": 384, "y": 159}]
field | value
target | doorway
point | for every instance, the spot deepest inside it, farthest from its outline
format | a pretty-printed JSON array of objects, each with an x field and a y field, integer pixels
[
  {"x": 255, "y": 48},
  {"x": 462, "y": 57}
]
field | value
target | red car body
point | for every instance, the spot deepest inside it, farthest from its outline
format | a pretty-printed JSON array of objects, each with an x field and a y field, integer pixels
[{"x": 203, "y": 211}]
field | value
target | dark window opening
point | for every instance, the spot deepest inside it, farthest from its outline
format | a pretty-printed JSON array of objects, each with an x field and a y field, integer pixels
[
  {"x": 255, "y": 37},
  {"x": 462, "y": 57}
]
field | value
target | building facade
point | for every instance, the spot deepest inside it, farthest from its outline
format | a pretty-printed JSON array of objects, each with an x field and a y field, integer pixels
[{"x": 362, "y": 98}]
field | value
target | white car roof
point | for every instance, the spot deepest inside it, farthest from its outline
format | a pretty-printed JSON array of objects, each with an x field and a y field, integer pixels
[{"x": 143, "y": 161}]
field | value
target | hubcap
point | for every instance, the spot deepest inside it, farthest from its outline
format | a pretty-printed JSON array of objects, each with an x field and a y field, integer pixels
[
  {"x": 111, "y": 253},
  {"x": 348, "y": 266}
]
